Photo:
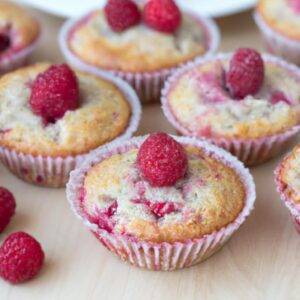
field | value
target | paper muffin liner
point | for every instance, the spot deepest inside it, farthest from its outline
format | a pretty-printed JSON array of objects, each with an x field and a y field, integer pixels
[
  {"x": 293, "y": 208},
  {"x": 249, "y": 151},
  {"x": 161, "y": 256},
  {"x": 277, "y": 43},
  {"x": 147, "y": 84},
  {"x": 18, "y": 59},
  {"x": 54, "y": 171}
]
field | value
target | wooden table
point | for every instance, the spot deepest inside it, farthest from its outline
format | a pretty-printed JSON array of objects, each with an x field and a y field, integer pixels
[{"x": 262, "y": 260}]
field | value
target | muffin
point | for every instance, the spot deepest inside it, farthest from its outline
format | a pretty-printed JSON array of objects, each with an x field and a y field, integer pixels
[
  {"x": 52, "y": 116},
  {"x": 159, "y": 202},
  {"x": 143, "y": 54},
  {"x": 288, "y": 184},
  {"x": 243, "y": 102},
  {"x": 279, "y": 21},
  {"x": 19, "y": 35}
]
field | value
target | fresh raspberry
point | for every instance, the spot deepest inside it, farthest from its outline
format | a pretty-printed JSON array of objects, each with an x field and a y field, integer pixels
[
  {"x": 104, "y": 220},
  {"x": 294, "y": 5},
  {"x": 54, "y": 92},
  {"x": 162, "y": 15},
  {"x": 122, "y": 14},
  {"x": 161, "y": 160},
  {"x": 246, "y": 73},
  {"x": 4, "y": 41},
  {"x": 7, "y": 207},
  {"x": 21, "y": 257},
  {"x": 161, "y": 208}
]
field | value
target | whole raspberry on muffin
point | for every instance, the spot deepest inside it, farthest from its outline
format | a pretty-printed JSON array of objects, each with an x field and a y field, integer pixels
[
  {"x": 162, "y": 160},
  {"x": 246, "y": 73},
  {"x": 7, "y": 207},
  {"x": 162, "y": 15},
  {"x": 122, "y": 14},
  {"x": 54, "y": 92},
  {"x": 21, "y": 257}
]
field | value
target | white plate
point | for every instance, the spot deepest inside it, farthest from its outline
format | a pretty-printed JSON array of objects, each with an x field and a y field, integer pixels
[{"x": 214, "y": 8}]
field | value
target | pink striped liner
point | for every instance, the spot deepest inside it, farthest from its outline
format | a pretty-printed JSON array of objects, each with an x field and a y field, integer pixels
[
  {"x": 293, "y": 208},
  {"x": 54, "y": 171},
  {"x": 249, "y": 151},
  {"x": 161, "y": 256},
  {"x": 277, "y": 43},
  {"x": 148, "y": 84}
]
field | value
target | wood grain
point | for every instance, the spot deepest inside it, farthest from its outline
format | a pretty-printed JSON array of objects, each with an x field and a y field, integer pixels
[{"x": 260, "y": 262}]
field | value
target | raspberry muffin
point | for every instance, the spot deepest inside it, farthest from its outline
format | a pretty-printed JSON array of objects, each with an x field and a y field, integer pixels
[
  {"x": 288, "y": 184},
  {"x": 51, "y": 117},
  {"x": 19, "y": 35},
  {"x": 143, "y": 50},
  {"x": 244, "y": 102},
  {"x": 279, "y": 23},
  {"x": 162, "y": 203}
]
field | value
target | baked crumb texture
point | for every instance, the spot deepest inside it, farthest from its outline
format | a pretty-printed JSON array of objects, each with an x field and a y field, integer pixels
[
  {"x": 209, "y": 197},
  {"x": 137, "y": 49},
  {"x": 201, "y": 104},
  {"x": 103, "y": 115}
]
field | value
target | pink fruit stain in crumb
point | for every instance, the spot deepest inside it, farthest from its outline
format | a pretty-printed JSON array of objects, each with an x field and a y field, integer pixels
[
  {"x": 116, "y": 115},
  {"x": 278, "y": 96},
  {"x": 103, "y": 217},
  {"x": 140, "y": 188},
  {"x": 4, "y": 41},
  {"x": 206, "y": 131},
  {"x": 162, "y": 208},
  {"x": 218, "y": 177}
]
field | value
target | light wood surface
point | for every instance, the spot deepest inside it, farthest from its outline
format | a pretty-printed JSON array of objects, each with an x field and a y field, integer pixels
[{"x": 262, "y": 260}]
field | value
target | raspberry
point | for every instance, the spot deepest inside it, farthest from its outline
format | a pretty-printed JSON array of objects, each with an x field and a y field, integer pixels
[
  {"x": 7, "y": 207},
  {"x": 162, "y": 15},
  {"x": 246, "y": 73},
  {"x": 54, "y": 92},
  {"x": 4, "y": 41},
  {"x": 161, "y": 208},
  {"x": 161, "y": 160},
  {"x": 21, "y": 257},
  {"x": 121, "y": 14}
]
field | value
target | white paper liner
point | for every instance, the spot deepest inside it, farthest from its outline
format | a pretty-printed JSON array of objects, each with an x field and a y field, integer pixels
[
  {"x": 54, "y": 171},
  {"x": 277, "y": 43},
  {"x": 288, "y": 202},
  {"x": 249, "y": 151},
  {"x": 147, "y": 84},
  {"x": 18, "y": 59},
  {"x": 161, "y": 256}
]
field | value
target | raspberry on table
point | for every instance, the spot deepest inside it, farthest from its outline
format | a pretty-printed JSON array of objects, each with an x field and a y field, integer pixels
[
  {"x": 122, "y": 14},
  {"x": 162, "y": 15},
  {"x": 246, "y": 73},
  {"x": 54, "y": 92},
  {"x": 7, "y": 207},
  {"x": 162, "y": 160},
  {"x": 21, "y": 257}
]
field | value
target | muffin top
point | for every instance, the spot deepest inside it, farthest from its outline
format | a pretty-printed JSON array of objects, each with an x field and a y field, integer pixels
[
  {"x": 282, "y": 15},
  {"x": 200, "y": 104},
  {"x": 17, "y": 26},
  {"x": 139, "y": 48},
  {"x": 102, "y": 115},
  {"x": 117, "y": 197},
  {"x": 289, "y": 173}
]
